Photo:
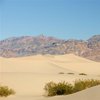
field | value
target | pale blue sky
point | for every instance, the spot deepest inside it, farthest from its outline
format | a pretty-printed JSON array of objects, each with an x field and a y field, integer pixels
[{"x": 65, "y": 19}]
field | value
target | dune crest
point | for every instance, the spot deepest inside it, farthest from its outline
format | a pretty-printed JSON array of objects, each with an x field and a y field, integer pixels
[{"x": 56, "y": 63}]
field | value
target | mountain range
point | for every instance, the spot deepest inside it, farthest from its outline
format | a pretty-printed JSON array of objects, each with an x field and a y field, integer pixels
[{"x": 29, "y": 45}]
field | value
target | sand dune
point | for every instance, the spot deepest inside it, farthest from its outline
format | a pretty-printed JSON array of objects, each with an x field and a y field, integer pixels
[
  {"x": 28, "y": 75},
  {"x": 49, "y": 64}
]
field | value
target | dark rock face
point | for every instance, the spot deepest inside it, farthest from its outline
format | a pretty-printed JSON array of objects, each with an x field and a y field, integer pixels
[
  {"x": 94, "y": 45},
  {"x": 28, "y": 45}
]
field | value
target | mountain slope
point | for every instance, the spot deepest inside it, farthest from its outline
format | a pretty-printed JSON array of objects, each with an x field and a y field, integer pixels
[{"x": 28, "y": 45}]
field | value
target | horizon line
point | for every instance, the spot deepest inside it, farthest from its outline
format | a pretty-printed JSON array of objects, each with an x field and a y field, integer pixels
[{"x": 47, "y": 37}]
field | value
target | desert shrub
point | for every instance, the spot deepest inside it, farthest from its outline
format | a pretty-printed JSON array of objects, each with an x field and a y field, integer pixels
[
  {"x": 61, "y": 72},
  {"x": 82, "y": 74},
  {"x": 5, "y": 91},
  {"x": 83, "y": 84},
  {"x": 49, "y": 88},
  {"x": 62, "y": 88},
  {"x": 71, "y": 73}
]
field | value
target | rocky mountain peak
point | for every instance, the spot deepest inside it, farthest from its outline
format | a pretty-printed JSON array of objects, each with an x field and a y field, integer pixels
[{"x": 29, "y": 45}]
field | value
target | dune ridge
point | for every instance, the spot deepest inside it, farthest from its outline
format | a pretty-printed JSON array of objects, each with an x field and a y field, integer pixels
[{"x": 39, "y": 63}]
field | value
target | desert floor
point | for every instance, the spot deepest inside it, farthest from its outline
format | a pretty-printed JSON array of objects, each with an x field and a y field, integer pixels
[{"x": 28, "y": 75}]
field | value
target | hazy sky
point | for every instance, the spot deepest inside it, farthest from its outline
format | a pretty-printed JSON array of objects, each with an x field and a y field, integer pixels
[{"x": 78, "y": 19}]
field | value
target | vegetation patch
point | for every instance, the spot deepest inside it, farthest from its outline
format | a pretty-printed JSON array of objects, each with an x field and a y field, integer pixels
[
  {"x": 70, "y": 73},
  {"x": 84, "y": 84},
  {"x": 61, "y": 73},
  {"x": 82, "y": 74},
  {"x": 65, "y": 88},
  {"x": 61, "y": 88},
  {"x": 5, "y": 91}
]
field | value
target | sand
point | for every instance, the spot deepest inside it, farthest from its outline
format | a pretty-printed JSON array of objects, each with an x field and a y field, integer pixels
[{"x": 28, "y": 75}]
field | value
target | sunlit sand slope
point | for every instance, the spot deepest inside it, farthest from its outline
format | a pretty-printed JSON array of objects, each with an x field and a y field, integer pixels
[{"x": 49, "y": 64}]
